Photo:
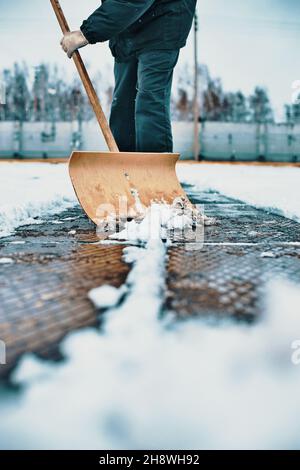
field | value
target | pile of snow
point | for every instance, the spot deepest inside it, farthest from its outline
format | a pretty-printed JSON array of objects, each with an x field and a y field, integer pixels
[
  {"x": 162, "y": 221},
  {"x": 6, "y": 261},
  {"x": 105, "y": 296},
  {"x": 273, "y": 188},
  {"x": 32, "y": 191}
]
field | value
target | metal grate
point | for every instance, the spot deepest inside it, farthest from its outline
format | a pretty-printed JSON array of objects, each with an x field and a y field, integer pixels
[
  {"x": 44, "y": 293},
  {"x": 228, "y": 276},
  {"x": 227, "y": 281}
]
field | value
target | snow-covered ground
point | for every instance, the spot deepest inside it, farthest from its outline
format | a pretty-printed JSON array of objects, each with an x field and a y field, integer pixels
[
  {"x": 31, "y": 191},
  {"x": 274, "y": 188},
  {"x": 147, "y": 381}
]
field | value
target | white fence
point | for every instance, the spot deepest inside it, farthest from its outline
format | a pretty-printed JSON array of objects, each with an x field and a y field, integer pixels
[
  {"x": 218, "y": 140},
  {"x": 238, "y": 141}
]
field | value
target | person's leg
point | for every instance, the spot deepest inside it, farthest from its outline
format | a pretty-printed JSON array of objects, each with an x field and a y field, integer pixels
[
  {"x": 152, "y": 110},
  {"x": 122, "y": 116}
]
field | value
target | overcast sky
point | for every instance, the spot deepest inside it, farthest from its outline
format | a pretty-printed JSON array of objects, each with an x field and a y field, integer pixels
[{"x": 245, "y": 42}]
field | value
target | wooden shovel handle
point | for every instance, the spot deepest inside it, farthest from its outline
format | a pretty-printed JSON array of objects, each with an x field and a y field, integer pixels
[{"x": 108, "y": 136}]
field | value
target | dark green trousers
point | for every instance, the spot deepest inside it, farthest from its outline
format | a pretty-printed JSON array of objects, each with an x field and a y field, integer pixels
[{"x": 140, "y": 113}]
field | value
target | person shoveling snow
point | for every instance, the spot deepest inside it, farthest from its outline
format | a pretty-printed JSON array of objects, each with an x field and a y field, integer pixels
[{"x": 145, "y": 39}]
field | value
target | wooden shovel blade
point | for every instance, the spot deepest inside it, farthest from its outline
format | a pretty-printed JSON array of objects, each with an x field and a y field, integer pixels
[{"x": 118, "y": 185}]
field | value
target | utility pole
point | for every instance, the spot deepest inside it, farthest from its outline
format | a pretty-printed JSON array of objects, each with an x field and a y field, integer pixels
[{"x": 196, "y": 92}]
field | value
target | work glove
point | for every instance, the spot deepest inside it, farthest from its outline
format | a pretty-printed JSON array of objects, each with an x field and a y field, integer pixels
[{"x": 73, "y": 41}]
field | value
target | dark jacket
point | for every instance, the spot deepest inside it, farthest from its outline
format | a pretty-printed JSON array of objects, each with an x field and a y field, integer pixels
[{"x": 136, "y": 25}]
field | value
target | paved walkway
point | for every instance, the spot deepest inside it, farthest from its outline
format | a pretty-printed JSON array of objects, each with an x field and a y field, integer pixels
[{"x": 44, "y": 292}]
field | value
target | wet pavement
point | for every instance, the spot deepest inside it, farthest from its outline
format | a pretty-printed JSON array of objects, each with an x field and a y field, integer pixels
[{"x": 44, "y": 291}]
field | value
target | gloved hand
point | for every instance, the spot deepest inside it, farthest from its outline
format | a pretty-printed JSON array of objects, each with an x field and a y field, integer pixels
[{"x": 73, "y": 41}]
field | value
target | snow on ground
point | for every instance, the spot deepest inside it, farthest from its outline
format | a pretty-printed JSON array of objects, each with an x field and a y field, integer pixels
[
  {"x": 274, "y": 188},
  {"x": 148, "y": 381},
  {"x": 32, "y": 191},
  {"x": 161, "y": 221},
  {"x": 6, "y": 261},
  {"x": 106, "y": 296}
]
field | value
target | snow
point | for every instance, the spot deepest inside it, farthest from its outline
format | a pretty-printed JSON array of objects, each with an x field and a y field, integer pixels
[
  {"x": 273, "y": 188},
  {"x": 105, "y": 296},
  {"x": 268, "y": 254},
  {"x": 152, "y": 383},
  {"x": 32, "y": 191},
  {"x": 160, "y": 221},
  {"x": 145, "y": 380},
  {"x": 6, "y": 261}
]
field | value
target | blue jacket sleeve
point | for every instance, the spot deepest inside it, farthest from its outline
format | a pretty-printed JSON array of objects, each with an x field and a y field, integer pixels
[{"x": 112, "y": 18}]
